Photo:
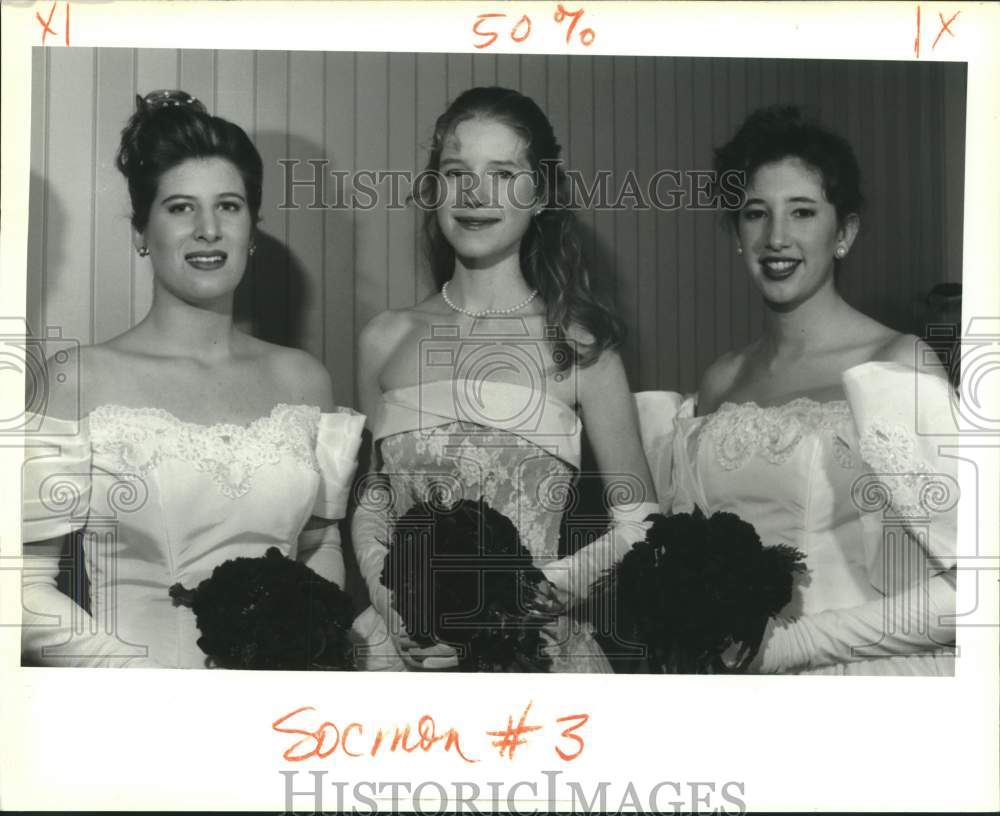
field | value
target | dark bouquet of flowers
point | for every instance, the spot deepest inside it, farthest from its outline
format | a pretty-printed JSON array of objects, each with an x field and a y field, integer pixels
[
  {"x": 697, "y": 592},
  {"x": 271, "y": 612},
  {"x": 460, "y": 575}
]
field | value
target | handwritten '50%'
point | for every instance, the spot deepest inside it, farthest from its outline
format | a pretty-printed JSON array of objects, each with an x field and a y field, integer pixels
[
  {"x": 354, "y": 740},
  {"x": 486, "y": 27}
]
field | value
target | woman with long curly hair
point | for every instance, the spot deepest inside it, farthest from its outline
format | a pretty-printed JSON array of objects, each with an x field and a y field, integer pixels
[{"x": 476, "y": 390}]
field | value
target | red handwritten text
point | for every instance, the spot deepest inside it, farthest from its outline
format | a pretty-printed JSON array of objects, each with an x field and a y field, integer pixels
[
  {"x": 328, "y": 739},
  {"x": 521, "y": 30},
  {"x": 513, "y": 735},
  {"x": 945, "y": 28},
  {"x": 586, "y": 36},
  {"x": 568, "y": 734},
  {"x": 47, "y": 24},
  {"x": 324, "y": 740},
  {"x": 477, "y": 28}
]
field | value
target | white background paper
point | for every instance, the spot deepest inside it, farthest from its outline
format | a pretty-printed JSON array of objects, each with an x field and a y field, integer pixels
[{"x": 84, "y": 739}]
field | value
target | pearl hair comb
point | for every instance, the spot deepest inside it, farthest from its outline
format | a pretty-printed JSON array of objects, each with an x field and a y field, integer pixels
[{"x": 166, "y": 99}]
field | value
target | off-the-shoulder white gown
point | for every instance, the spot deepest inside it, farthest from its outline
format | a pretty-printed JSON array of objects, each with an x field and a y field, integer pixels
[
  {"x": 160, "y": 501},
  {"x": 859, "y": 485},
  {"x": 516, "y": 447}
]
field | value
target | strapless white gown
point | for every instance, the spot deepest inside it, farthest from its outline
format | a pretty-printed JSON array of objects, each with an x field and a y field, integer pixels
[
  {"x": 851, "y": 484},
  {"x": 516, "y": 447},
  {"x": 162, "y": 501}
]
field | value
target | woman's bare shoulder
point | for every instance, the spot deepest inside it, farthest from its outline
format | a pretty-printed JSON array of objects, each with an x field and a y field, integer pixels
[
  {"x": 909, "y": 350},
  {"x": 383, "y": 333},
  {"x": 720, "y": 377},
  {"x": 80, "y": 378},
  {"x": 285, "y": 373}
]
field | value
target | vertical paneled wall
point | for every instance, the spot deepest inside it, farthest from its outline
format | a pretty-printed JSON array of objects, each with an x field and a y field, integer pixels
[{"x": 321, "y": 273}]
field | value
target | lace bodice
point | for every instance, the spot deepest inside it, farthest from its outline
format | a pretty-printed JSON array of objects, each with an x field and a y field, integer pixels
[
  {"x": 465, "y": 461},
  {"x": 523, "y": 463},
  {"x": 433, "y": 442},
  {"x": 841, "y": 481},
  {"x": 738, "y": 432},
  {"x": 162, "y": 501},
  {"x": 134, "y": 440},
  {"x": 788, "y": 470}
]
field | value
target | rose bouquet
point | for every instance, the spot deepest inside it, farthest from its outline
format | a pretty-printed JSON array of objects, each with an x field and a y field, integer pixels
[
  {"x": 460, "y": 575},
  {"x": 697, "y": 592},
  {"x": 270, "y": 612}
]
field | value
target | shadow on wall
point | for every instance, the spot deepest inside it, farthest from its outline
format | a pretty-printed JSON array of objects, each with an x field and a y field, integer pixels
[
  {"x": 280, "y": 287},
  {"x": 46, "y": 251},
  {"x": 268, "y": 300},
  {"x": 46, "y": 270}
]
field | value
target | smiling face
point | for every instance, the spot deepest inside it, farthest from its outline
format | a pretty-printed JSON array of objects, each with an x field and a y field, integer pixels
[
  {"x": 789, "y": 232},
  {"x": 489, "y": 192},
  {"x": 199, "y": 230}
]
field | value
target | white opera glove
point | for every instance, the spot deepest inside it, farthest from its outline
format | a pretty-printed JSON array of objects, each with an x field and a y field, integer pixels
[
  {"x": 916, "y": 614},
  {"x": 371, "y": 528},
  {"x": 917, "y": 620},
  {"x": 52, "y": 622},
  {"x": 320, "y": 549},
  {"x": 387, "y": 646},
  {"x": 574, "y": 574}
]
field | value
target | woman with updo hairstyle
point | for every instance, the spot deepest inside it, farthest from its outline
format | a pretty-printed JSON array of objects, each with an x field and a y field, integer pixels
[
  {"x": 810, "y": 433},
  {"x": 194, "y": 441},
  {"x": 476, "y": 390},
  {"x": 180, "y": 130}
]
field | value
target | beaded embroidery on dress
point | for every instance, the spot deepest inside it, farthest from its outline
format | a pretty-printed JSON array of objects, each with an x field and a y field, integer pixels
[
  {"x": 740, "y": 431},
  {"x": 841, "y": 481},
  {"x": 890, "y": 449},
  {"x": 199, "y": 495},
  {"x": 136, "y": 440}
]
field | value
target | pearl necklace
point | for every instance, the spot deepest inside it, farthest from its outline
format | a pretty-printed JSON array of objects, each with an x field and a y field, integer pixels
[{"x": 485, "y": 312}]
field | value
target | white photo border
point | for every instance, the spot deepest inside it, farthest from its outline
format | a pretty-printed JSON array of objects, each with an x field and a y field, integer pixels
[{"x": 103, "y": 739}]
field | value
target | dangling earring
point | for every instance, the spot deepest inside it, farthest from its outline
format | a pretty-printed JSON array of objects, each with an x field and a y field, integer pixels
[
  {"x": 252, "y": 249},
  {"x": 739, "y": 250},
  {"x": 143, "y": 252},
  {"x": 841, "y": 252}
]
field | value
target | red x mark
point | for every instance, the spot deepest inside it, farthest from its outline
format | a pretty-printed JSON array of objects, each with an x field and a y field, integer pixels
[
  {"x": 944, "y": 27},
  {"x": 46, "y": 24}
]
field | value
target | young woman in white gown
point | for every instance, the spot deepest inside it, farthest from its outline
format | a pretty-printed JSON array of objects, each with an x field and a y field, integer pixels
[
  {"x": 475, "y": 390},
  {"x": 183, "y": 442},
  {"x": 810, "y": 432}
]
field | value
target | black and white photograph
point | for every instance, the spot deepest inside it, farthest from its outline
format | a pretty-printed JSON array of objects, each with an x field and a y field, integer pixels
[
  {"x": 631, "y": 373},
  {"x": 427, "y": 366}
]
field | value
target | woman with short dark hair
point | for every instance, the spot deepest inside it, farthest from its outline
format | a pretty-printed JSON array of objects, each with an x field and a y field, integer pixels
[{"x": 810, "y": 432}]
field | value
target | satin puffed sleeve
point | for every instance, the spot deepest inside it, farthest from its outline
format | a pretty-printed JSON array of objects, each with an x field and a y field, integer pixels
[
  {"x": 338, "y": 439},
  {"x": 55, "y": 479},
  {"x": 55, "y": 490},
  {"x": 903, "y": 419},
  {"x": 657, "y": 412},
  {"x": 907, "y": 500}
]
